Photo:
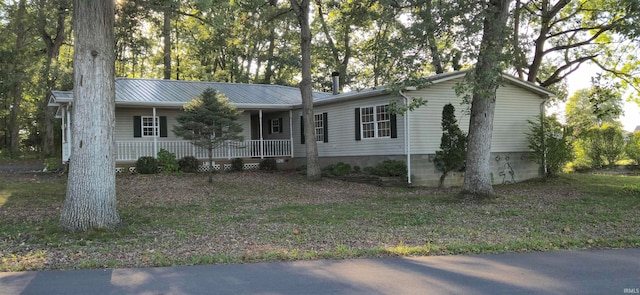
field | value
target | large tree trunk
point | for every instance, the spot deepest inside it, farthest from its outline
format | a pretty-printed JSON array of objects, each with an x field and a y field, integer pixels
[
  {"x": 486, "y": 80},
  {"x": 91, "y": 190},
  {"x": 18, "y": 76},
  {"x": 313, "y": 166},
  {"x": 166, "y": 35},
  {"x": 52, "y": 47}
]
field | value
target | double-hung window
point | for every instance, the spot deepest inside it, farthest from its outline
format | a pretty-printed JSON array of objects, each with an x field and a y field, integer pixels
[
  {"x": 375, "y": 121},
  {"x": 319, "y": 127},
  {"x": 275, "y": 125},
  {"x": 150, "y": 126}
]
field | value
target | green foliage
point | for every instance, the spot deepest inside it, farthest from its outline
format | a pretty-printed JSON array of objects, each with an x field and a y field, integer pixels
[
  {"x": 594, "y": 106},
  {"x": 209, "y": 121},
  {"x": 388, "y": 168},
  {"x": 453, "y": 144},
  {"x": 188, "y": 164},
  {"x": 632, "y": 148},
  {"x": 338, "y": 169},
  {"x": 168, "y": 161},
  {"x": 604, "y": 145},
  {"x": 147, "y": 165},
  {"x": 237, "y": 164},
  {"x": 268, "y": 164},
  {"x": 551, "y": 144}
]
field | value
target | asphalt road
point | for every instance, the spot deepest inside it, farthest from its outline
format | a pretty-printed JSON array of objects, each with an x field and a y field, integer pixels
[{"x": 564, "y": 272}]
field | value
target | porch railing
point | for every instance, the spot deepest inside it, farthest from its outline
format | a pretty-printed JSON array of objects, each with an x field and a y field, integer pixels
[{"x": 132, "y": 150}]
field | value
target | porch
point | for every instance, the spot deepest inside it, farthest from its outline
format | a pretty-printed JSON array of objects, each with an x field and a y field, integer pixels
[{"x": 131, "y": 151}]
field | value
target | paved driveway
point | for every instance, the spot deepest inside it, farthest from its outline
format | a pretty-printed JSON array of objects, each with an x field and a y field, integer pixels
[{"x": 564, "y": 272}]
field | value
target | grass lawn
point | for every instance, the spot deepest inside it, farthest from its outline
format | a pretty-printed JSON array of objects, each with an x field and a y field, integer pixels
[{"x": 254, "y": 216}]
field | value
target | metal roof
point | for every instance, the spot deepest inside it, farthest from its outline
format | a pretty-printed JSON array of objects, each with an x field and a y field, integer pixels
[{"x": 175, "y": 93}]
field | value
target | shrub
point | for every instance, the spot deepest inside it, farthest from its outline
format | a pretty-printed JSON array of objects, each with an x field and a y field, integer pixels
[
  {"x": 388, "y": 168},
  {"x": 453, "y": 145},
  {"x": 338, "y": 169},
  {"x": 188, "y": 164},
  {"x": 51, "y": 164},
  {"x": 147, "y": 165},
  {"x": 356, "y": 169},
  {"x": 550, "y": 143},
  {"x": 605, "y": 143},
  {"x": 268, "y": 164},
  {"x": 632, "y": 147},
  {"x": 237, "y": 164},
  {"x": 168, "y": 161}
]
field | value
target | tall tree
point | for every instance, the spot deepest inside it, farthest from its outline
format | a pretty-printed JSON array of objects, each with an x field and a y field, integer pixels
[
  {"x": 18, "y": 75},
  {"x": 52, "y": 44},
  {"x": 301, "y": 8},
  {"x": 90, "y": 202},
  {"x": 485, "y": 81}
]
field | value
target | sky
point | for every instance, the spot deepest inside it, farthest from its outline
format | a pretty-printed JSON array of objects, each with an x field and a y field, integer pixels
[{"x": 582, "y": 79}]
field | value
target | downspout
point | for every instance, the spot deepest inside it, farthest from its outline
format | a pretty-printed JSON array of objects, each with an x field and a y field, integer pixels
[{"x": 407, "y": 137}]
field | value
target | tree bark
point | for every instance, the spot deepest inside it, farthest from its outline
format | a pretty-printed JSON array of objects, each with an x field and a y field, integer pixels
[
  {"x": 18, "y": 76},
  {"x": 166, "y": 34},
  {"x": 90, "y": 202},
  {"x": 486, "y": 80},
  {"x": 52, "y": 47},
  {"x": 313, "y": 166}
]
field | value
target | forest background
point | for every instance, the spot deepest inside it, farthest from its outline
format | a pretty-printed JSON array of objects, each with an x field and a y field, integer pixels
[{"x": 555, "y": 44}]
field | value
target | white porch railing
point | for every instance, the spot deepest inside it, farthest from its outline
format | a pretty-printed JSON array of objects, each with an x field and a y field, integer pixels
[{"x": 132, "y": 150}]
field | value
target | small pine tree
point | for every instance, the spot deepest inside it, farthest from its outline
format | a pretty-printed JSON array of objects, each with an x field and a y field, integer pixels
[
  {"x": 209, "y": 121},
  {"x": 453, "y": 144}
]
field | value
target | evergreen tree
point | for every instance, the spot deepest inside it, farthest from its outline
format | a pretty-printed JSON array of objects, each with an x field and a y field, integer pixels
[
  {"x": 209, "y": 121},
  {"x": 453, "y": 144}
]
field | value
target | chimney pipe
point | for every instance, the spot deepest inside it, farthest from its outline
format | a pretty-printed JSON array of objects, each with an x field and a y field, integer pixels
[{"x": 336, "y": 82}]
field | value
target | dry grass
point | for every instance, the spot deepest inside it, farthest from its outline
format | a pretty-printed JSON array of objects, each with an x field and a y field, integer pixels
[{"x": 255, "y": 216}]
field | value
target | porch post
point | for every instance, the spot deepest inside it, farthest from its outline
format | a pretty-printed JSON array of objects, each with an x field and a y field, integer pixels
[
  {"x": 261, "y": 138},
  {"x": 291, "y": 131},
  {"x": 67, "y": 112},
  {"x": 156, "y": 132}
]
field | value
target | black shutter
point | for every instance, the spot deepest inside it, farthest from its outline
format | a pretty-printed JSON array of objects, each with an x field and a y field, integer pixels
[
  {"x": 325, "y": 127},
  {"x": 269, "y": 125},
  {"x": 358, "y": 135},
  {"x": 163, "y": 126},
  {"x": 394, "y": 125},
  {"x": 137, "y": 126},
  {"x": 301, "y": 129},
  {"x": 280, "y": 124}
]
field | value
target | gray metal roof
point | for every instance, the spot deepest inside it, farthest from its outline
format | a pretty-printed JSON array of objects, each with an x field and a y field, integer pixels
[
  {"x": 154, "y": 92},
  {"x": 139, "y": 92},
  {"x": 175, "y": 93}
]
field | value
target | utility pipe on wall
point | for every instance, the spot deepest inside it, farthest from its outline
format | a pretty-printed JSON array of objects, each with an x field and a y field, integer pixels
[{"x": 407, "y": 137}]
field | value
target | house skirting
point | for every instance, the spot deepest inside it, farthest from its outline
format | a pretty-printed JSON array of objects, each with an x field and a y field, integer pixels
[{"x": 506, "y": 167}]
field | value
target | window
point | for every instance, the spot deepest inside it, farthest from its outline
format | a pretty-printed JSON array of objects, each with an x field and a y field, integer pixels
[
  {"x": 275, "y": 126},
  {"x": 319, "y": 124},
  {"x": 143, "y": 126},
  {"x": 375, "y": 121},
  {"x": 149, "y": 127}
]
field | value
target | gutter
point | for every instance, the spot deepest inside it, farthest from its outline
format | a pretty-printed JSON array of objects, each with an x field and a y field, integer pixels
[{"x": 407, "y": 136}]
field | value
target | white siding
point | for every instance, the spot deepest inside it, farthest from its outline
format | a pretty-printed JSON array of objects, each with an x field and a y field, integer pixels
[
  {"x": 341, "y": 129},
  {"x": 514, "y": 106},
  {"x": 124, "y": 123}
]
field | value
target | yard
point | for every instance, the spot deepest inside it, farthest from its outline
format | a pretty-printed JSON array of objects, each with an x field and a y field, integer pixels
[{"x": 259, "y": 216}]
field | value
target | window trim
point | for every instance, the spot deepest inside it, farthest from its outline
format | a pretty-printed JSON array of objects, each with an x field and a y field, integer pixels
[
  {"x": 375, "y": 122},
  {"x": 155, "y": 128},
  {"x": 320, "y": 128},
  {"x": 275, "y": 123}
]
